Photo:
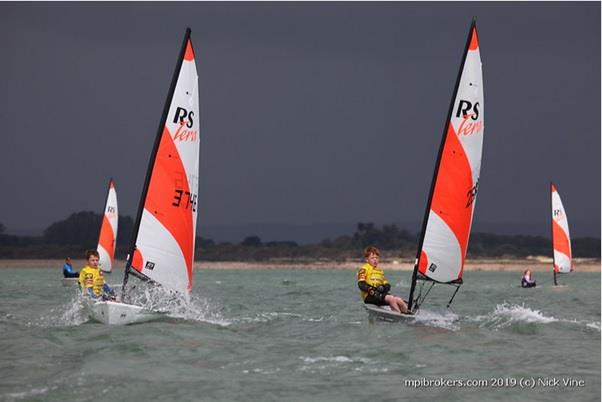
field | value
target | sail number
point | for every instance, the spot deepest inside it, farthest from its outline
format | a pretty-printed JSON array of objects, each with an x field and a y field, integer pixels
[{"x": 184, "y": 199}]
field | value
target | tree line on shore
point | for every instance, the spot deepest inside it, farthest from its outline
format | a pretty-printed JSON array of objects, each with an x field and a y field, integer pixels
[{"x": 71, "y": 236}]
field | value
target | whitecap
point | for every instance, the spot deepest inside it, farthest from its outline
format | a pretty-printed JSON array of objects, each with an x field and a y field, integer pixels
[
  {"x": 445, "y": 320},
  {"x": 505, "y": 314}
]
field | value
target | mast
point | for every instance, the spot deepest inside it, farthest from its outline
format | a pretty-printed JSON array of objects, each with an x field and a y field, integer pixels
[
  {"x": 552, "y": 233},
  {"x": 152, "y": 162},
  {"x": 437, "y": 165}
]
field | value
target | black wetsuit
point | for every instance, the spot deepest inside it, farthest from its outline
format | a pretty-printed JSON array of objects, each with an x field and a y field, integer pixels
[{"x": 527, "y": 284}]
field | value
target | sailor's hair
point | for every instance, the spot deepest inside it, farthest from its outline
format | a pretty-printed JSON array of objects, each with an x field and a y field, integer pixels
[
  {"x": 90, "y": 253},
  {"x": 371, "y": 250}
]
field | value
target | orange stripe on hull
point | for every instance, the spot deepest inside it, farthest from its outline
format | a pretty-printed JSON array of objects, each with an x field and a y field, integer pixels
[{"x": 168, "y": 176}]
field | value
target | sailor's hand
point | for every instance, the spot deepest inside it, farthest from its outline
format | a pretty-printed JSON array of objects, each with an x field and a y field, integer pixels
[{"x": 381, "y": 289}]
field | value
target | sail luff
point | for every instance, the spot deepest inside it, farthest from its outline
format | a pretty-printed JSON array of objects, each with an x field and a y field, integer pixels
[
  {"x": 470, "y": 38},
  {"x": 552, "y": 232},
  {"x": 152, "y": 159}
]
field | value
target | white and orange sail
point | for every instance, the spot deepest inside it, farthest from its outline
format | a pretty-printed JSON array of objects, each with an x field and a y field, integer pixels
[
  {"x": 561, "y": 238},
  {"x": 165, "y": 228},
  {"x": 449, "y": 213},
  {"x": 107, "y": 239}
]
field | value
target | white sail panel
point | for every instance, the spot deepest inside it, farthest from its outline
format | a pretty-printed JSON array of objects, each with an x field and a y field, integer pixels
[
  {"x": 162, "y": 259},
  {"x": 107, "y": 240},
  {"x": 448, "y": 225},
  {"x": 468, "y": 115},
  {"x": 562, "y": 262},
  {"x": 561, "y": 238},
  {"x": 444, "y": 253}
]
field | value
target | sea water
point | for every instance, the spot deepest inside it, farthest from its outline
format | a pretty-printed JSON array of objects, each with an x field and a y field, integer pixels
[{"x": 303, "y": 335}]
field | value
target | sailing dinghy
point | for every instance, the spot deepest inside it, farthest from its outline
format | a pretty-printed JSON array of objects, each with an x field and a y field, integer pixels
[
  {"x": 162, "y": 247},
  {"x": 449, "y": 210},
  {"x": 561, "y": 238},
  {"x": 107, "y": 238}
]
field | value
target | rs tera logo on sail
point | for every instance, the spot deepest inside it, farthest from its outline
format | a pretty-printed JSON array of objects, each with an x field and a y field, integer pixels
[
  {"x": 185, "y": 120},
  {"x": 467, "y": 110},
  {"x": 472, "y": 194}
]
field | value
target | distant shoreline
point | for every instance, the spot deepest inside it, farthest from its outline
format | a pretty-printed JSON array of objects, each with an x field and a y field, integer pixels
[{"x": 536, "y": 264}]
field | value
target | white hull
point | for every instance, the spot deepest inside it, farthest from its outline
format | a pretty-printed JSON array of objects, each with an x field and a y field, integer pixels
[
  {"x": 385, "y": 314},
  {"x": 115, "y": 313}
]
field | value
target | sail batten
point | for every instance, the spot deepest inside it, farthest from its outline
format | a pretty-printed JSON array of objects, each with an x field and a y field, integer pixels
[
  {"x": 450, "y": 207},
  {"x": 162, "y": 248},
  {"x": 107, "y": 238}
]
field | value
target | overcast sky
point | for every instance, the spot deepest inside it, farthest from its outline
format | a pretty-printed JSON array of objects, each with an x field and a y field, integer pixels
[{"x": 311, "y": 112}]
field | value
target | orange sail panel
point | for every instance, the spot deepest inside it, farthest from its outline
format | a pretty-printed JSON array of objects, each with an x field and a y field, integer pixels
[
  {"x": 456, "y": 179},
  {"x": 164, "y": 247},
  {"x": 561, "y": 238},
  {"x": 107, "y": 238}
]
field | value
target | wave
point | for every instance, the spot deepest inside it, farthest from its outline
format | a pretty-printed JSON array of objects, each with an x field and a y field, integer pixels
[
  {"x": 445, "y": 320},
  {"x": 320, "y": 363},
  {"x": 276, "y": 315},
  {"x": 507, "y": 314}
]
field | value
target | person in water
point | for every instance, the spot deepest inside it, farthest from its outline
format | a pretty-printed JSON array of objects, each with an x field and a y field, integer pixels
[
  {"x": 92, "y": 281},
  {"x": 68, "y": 269},
  {"x": 527, "y": 281},
  {"x": 374, "y": 286}
]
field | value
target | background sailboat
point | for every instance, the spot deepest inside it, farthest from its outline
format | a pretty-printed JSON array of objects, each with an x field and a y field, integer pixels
[
  {"x": 448, "y": 216},
  {"x": 162, "y": 247},
  {"x": 107, "y": 238},
  {"x": 561, "y": 238}
]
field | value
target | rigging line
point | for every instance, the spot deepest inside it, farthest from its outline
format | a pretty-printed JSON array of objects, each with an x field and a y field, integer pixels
[
  {"x": 454, "y": 295},
  {"x": 419, "y": 300}
]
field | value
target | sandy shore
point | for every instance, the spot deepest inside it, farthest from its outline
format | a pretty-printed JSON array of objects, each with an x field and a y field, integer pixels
[{"x": 536, "y": 264}]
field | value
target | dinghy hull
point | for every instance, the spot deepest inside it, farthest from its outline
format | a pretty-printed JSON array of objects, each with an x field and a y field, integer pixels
[
  {"x": 115, "y": 313},
  {"x": 385, "y": 314}
]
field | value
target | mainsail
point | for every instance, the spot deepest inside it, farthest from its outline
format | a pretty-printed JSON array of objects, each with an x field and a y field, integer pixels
[
  {"x": 561, "y": 238},
  {"x": 162, "y": 248},
  {"x": 107, "y": 238},
  {"x": 448, "y": 217}
]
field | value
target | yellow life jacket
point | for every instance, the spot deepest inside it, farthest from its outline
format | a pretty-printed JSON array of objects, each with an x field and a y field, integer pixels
[
  {"x": 91, "y": 278},
  {"x": 373, "y": 276}
]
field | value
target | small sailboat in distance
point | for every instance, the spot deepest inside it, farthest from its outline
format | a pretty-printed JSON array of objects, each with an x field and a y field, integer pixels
[
  {"x": 449, "y": 211},
  {"x": 107, "y": 238},
  {"x": 162, "y": 246},
  {"x": 561, "y": 238}
]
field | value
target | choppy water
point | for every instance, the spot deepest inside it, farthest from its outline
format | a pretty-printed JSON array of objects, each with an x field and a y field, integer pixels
[{"x": 302, "y": 335}]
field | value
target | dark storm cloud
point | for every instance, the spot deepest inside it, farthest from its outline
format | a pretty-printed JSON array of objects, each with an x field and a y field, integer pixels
[{"x": 311, "y": 112}]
